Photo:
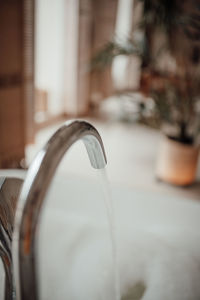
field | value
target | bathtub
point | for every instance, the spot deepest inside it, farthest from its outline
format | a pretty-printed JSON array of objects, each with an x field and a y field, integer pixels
[{"x": 158, "y": 243}]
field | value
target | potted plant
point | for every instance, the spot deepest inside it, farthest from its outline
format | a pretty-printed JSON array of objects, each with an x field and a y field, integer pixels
[
  {"x": 170, "y": 79},
  {"x": 175, "y": 109}
]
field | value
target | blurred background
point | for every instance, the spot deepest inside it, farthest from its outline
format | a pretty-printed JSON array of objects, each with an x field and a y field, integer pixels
[{"x": 130, "y": 67}]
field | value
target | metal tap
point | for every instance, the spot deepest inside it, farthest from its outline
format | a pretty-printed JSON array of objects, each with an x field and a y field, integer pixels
[{"x": 33, "y": 193}]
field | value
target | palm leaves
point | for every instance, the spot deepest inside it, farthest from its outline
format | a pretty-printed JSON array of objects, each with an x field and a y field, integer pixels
[
  {"x": 104, "y": 57},
  {"x": 175, "y": 103}
]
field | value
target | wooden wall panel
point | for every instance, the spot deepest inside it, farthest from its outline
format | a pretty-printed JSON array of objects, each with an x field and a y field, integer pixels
[
  {"x": 13, "y": 104},
  {"x": 28, "y": 68}
]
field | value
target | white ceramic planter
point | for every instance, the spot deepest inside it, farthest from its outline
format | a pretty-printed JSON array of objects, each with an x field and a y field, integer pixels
[{"x": 177, "y": 162}]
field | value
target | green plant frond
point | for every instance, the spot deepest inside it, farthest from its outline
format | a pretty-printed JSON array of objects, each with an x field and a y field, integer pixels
[
  {"x": 162, "y": 107},
  {"x": 168, "y": 15},
  {"x": 104, "y": 57},
  {"x": 161, "y": 13},
  {"x": 176, "y": 90}
]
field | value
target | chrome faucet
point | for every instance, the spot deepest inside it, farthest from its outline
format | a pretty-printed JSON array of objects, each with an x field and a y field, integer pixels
[{"x": 32, "y": 196}]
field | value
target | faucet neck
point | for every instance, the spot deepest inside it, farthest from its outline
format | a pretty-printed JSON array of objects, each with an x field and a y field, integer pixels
[{"x": 34, "y": 189}]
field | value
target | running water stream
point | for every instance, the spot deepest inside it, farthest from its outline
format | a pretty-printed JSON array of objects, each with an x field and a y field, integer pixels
[{"x": 111, "y": 220}]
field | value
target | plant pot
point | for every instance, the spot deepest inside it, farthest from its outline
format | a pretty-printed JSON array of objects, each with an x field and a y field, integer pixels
[{"x": 177, "y": 162}]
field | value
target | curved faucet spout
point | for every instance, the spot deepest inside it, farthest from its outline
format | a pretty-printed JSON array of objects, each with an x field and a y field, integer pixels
[{"x": 35, "y": 186}]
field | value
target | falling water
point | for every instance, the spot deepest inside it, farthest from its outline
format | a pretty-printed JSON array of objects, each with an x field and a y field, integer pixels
[{"x": 111, "y": 219}]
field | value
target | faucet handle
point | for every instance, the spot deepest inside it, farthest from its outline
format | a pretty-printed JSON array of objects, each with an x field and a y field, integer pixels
[{"x": 9, "y": 192}]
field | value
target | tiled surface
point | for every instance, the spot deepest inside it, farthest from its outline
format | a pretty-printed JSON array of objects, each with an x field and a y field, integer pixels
[{"x": 131, "y": 152}]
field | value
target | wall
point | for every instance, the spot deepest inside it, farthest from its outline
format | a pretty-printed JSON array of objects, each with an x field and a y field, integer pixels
[
  {"x": 79, "y": 17},
  {"x": 71, "y": 56},
  {"x": 104, "y": 18},
  {"x": 49, "y": 50},
  {"x": 125, "y": 70}
]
